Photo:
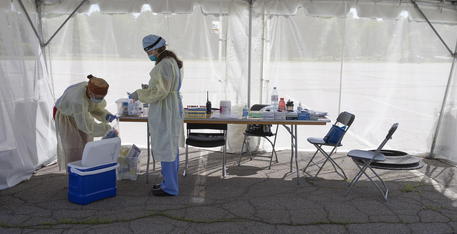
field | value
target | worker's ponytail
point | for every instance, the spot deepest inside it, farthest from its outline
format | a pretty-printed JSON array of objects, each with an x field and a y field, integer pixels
[
  {"x": 90, "y": 76},
  {"x": 163, "y": 53}
]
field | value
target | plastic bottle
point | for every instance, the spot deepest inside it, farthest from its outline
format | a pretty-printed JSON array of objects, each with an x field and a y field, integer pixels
[
  {"x": 274, "y": 99},
  {"x": 132, "y": 107},
  {"x": 299, "y": 107},
  {"x": 282, "y": 105},
  {"x": 245, "y": 111}
]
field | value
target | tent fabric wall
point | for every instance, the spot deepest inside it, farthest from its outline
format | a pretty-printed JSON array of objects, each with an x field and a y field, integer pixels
[
  {"x": 328, "y": 57},
  {"x": 213, "y": 48},
  {"x": 386, "y": 71},
  {"x": 333, "y": 55},
  {"x": 27, "y": 136}
]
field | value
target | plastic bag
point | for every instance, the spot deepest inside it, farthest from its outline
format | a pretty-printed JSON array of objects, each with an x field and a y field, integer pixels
[{"x": 128, "y": 162}]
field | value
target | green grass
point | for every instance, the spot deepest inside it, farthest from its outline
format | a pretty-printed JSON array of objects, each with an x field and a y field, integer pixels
[{"x": 408, "y": 188}]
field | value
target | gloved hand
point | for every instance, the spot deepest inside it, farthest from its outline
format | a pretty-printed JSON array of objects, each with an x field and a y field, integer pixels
[
  {"x": 133, "y": 96},
  {"x": 110, "y": 118},
  {"x": 111, "y": 134}
]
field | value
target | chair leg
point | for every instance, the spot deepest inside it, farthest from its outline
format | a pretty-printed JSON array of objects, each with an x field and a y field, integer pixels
[
  {"x": 187, "y": 160},
  {"x": 248, "y": 148},
  {"x": 357, "y": 177},
  {"x": 272, "y": 152},
  {"x": 223, "y": 162},
  {"x": 328, "y": 158},
  {"x": 241, "y": 152},
  {"x": 310, "y": 161},
  {"x": 384, "y": 192}
]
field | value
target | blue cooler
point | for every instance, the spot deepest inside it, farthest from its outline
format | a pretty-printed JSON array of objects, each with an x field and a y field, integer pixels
[{"x": 94, "y": 177}]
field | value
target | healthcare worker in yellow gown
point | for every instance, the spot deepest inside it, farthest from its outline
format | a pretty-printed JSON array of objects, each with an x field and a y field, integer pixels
[
  {"x": 75, "y": 113},
  {"x": 165, "y": 111}
]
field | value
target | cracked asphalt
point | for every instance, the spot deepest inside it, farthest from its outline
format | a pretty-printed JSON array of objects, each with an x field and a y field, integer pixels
[{"x": 252, "y": 199}]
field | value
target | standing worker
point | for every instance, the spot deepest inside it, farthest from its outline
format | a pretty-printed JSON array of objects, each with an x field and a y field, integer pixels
[
  {"x": 74, "y": 115},
  {"x": 165, "y": 111}
]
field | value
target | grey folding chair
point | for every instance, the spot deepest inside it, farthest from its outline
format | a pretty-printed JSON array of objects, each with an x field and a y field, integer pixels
[
  {"x": 363, "y": 160},
  {"x": 332, "y": 139}
]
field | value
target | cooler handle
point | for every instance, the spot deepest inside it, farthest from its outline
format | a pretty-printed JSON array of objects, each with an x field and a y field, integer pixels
[{"x": 84, "y": 173}]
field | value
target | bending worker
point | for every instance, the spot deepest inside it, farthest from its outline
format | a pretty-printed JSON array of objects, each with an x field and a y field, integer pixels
[
  {"x": 165, "y": 112},
  {"x": 74, "y": 115}
]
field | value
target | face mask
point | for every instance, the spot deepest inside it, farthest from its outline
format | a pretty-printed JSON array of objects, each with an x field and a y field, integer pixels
[
  {"x": 96, "y": 100},
  {"x": 152, "y": 57}
]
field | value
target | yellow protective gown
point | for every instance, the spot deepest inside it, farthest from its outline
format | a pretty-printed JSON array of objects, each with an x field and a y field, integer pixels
[
  {"x": 165, "y": 109},
  {"x": 75, "y": 124}
]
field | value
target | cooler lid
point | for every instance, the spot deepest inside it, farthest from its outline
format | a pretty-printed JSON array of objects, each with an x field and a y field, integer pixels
[{"x": 101, "y": 152}]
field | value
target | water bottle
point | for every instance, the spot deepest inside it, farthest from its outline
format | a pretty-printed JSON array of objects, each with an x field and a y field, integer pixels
[
  {"x": 299, "y": 108},
  {"x": 245, "y": 111},
  {"x": 274, "y": 99}
]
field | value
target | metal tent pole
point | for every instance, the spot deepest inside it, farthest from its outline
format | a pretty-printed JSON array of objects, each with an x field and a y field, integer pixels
[
  {"x": 340, "y": 94},
  {"x": 443, "y": 104},
  {"x": 250, "y": 52},
  {"x": 453, "y": 54},
  {"x": 262, "y": 51}
]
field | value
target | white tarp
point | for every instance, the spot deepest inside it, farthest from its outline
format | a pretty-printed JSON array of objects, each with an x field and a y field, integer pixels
[{"x": 27, "y": 136}]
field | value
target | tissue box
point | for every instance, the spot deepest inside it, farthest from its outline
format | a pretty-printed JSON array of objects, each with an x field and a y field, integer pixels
[{"x": 280, "y": 115}]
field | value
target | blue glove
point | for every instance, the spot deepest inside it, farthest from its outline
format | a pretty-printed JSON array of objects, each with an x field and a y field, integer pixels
[
  {"x": 110, "y": 118},
  {"x": 133, "y": 96},
  {"x": 111, "y": 134}
]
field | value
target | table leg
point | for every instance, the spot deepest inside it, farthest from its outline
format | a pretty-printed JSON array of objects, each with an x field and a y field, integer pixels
[
  {"x": 152, "y": 154},
  {"x": 149, "y": 156},
  {"x": 296, "y": 152}
]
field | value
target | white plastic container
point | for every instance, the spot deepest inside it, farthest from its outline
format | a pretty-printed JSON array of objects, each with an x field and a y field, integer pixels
[
  {"x": 135, "y": 108},
  {"x": 225, "y": 108},
  {"x": 122, "y": 106}
]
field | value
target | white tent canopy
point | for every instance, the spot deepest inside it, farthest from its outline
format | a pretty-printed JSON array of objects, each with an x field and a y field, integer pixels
[{"x": 380, "y": 60}]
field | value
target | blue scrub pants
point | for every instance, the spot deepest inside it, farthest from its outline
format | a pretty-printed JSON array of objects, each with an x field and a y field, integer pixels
[{"x": 169, "y": 171}]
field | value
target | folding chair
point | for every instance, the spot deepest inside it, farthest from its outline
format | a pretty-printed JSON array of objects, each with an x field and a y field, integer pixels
[
  {"x": 363, "y": 160},
  {"x": 206, "y": 140},
  {"x": 332, "y": 139},
  {"x": 259, "y": 130}
]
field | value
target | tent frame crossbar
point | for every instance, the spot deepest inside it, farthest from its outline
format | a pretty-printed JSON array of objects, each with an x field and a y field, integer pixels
[
  {"x": 31, "y": 23},
  {"x": 66, "y": 20},
  {"x": 433, "y": 28},
  {"x": 40, "y": 38}
]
